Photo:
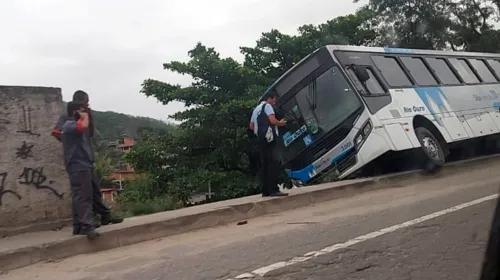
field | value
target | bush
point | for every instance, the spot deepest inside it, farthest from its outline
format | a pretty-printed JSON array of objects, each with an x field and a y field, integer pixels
[
  {"x": 140, "y": 197},
  {"x": 151, "y": 206}
]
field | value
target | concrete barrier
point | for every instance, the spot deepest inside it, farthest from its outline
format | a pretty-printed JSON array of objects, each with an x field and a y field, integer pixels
[
  {"x": 144, "y": 228},
  {"x": 34, "y": 185}
]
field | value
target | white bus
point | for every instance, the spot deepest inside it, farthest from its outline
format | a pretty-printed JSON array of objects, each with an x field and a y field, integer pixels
[{"x": 350, "y": 108}]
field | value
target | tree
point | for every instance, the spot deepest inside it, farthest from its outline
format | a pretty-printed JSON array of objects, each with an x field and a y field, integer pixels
[
  {"x": 437, "y": 24},
  {"x": 276, "y": 52},
  {"x": 151, "y": 156},
  {"x": 209, "y": 146},
  {"x": 103, "y": 168},
  {"x": 473, "y": 26}
]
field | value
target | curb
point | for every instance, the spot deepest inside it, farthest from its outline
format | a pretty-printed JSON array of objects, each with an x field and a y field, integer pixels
[
  {"x": 35, "y": 227},
  {"x": 126, "y": 234}
]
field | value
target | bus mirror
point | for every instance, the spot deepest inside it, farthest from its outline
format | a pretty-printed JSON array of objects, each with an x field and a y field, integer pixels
[{"x": 361, "y": 73}]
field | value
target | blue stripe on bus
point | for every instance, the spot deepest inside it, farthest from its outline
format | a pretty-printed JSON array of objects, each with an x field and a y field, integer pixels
[
  {"x": 398, "y": 50},
  {"x": 303, "y": 174}
]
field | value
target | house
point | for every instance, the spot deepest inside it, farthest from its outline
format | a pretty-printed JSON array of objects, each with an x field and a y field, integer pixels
[{"x": 124, "y": 172}]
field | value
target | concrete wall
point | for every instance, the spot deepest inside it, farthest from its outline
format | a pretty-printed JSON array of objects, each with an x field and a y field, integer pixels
[{"x": 34, "y": 187}]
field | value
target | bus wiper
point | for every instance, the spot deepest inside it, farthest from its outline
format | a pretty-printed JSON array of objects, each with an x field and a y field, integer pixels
[
  {"x": 313, "y": 93},
  {"x": 289, "y": 115}
]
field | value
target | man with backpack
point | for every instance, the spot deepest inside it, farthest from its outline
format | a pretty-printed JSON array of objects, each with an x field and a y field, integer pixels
[{"x": 264, "y": 125}]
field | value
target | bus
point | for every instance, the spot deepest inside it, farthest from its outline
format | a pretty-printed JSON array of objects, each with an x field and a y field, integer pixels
[{"x": 353, "y": 108}]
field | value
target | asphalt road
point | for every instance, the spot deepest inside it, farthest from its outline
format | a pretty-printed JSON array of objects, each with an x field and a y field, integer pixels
[{"x": 434, "y": 229}]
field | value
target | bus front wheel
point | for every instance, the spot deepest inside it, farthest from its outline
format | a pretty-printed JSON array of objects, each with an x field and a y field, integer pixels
[{"x": 433, "y": 156}]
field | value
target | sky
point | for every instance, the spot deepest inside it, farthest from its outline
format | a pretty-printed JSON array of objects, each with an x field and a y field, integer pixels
[{"x": 108, "y": 48}]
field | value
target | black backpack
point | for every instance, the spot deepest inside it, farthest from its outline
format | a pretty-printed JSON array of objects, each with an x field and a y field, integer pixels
[{"x": 266, "y": 133}]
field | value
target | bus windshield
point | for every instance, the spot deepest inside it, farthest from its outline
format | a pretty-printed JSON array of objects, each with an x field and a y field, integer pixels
[{"x": 315, "y": 110}]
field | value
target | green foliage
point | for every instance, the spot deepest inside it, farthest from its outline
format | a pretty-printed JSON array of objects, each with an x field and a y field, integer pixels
[
  {"x": 210, "y": 146},
  {"x": 439, "y": 24},
  {"x": 103, "y": 151},
  {"x": 141, "y": 197},
  {"x": 103, "y": 167},
  {"x": 112, "y": 126},
  {"x": 276, "y": 52},
  {"x": 149, "y": 206}
]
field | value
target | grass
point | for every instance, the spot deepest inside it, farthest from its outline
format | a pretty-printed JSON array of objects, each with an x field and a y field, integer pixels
[{"x": 139, "y": 208}]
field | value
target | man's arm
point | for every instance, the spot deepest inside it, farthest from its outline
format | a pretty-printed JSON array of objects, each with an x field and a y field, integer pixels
[
  {"x": 268, "y": 109},
  {"x": 56, "y": 132},
  {"x": 79, "y": 126},
  {"x": 91, "y": 123}
]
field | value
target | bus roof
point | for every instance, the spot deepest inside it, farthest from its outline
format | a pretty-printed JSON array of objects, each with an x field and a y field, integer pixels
[
  {"x": 271, "y": 87},
  {"x": 406, "y": 51},
  {"x": 387, "y": 50}
]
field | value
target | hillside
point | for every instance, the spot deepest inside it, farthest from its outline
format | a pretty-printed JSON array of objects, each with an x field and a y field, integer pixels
[{"x": 111, "y": 125}]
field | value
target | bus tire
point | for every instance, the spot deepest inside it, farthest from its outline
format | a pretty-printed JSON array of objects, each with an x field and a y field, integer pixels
[{"x": 433, "y": 156}]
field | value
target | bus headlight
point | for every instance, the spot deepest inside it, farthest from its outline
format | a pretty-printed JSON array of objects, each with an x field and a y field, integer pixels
[
  {"x": 362, "y": 134},
  {"x": 367, "y": 128},
  {"x": 359, "y": 139}
]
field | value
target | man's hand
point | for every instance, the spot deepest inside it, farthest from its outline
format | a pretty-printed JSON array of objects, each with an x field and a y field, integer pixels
[
  {"x": 83, "y": 123},
  {"x": 84, "y": 116},
  {"x": 282, "y": 122}
]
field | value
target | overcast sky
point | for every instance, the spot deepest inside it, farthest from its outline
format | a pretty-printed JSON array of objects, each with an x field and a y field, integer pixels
[{"x": 108, "y": 47}]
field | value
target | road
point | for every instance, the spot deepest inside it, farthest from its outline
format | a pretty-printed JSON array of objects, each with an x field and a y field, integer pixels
[{"x": 434, "y": 229}]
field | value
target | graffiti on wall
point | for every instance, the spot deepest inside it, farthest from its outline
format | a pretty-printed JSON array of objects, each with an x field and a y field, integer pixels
[
  {"x": 28, "y": 128},
  {"x": 34, "y": 177},
  {"x": 3, "y": 191},
  {"x": 25, "y": 151}
]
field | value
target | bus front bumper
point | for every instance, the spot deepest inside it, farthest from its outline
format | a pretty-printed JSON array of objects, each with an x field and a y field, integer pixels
[{"x": 343, "y": 164}]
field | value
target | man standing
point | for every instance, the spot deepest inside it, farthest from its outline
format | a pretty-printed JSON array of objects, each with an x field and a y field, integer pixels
[
  {"x": 98, "y": 205},
  {"x": 265, "y": 126},
  {"x": 78, "y": 159}
]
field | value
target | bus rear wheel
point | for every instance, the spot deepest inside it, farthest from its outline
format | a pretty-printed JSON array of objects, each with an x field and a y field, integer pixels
[{"x": 433, "y": 156}]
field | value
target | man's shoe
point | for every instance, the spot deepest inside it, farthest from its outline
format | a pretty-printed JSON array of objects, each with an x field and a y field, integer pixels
[
  {"x": 92, "y": 234},
  {"x": 278, "y": 194},
  {"x": 109, "y": 219},
  {"x": 78, "y": 230}
]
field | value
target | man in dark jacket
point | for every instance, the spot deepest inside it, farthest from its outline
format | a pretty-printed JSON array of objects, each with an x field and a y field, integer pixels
[
  {"x": 98, "y": 206},
  {"x": 79, "y": 162}
]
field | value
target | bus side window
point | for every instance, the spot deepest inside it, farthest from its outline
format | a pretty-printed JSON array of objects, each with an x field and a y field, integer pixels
[
  {"x": 482, "y": 70},
  {"x": 442, "y": 71},
  {"x": 392, "y": 71},
  {"x": 357, "y": 83},
  {"x": 495, "y": 65},
  {"x": 464, "y": 70},
  {"x": 419, "y": 71},
  {"x": 372, "y": 85}
]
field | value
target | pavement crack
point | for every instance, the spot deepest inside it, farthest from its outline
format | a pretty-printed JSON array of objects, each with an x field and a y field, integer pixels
[{"x": 366, "y": 267}]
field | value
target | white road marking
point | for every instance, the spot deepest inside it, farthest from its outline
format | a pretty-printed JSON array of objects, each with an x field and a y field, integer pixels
[{"x": 264, "y": 270}]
